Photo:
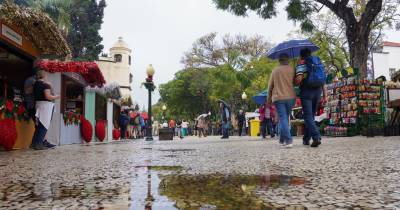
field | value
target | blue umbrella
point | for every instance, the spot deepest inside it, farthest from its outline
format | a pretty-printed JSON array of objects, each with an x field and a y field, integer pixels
[
  {"x": 292, "y": 48},
  {"x": 261, "y": 97}
]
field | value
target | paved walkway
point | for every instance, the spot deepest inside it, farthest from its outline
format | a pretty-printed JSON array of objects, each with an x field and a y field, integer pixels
[{"x": 343, "y": 173}]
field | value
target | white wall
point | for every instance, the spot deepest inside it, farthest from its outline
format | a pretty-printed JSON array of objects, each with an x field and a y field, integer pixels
[
  {"x": 381, "y": 65},
  {"x": 53, "y": 134},
  {"x": 389, "y": 58}
]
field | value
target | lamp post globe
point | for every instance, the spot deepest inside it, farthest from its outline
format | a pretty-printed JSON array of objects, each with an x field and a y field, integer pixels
[
  {"x": 164, "y": 107},
  {"x": 150, "y": 71},
  {"x": 244, "y": 96}
]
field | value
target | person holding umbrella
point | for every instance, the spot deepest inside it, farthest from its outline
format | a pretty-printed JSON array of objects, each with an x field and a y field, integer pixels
[{"x": 281, "y": 93}]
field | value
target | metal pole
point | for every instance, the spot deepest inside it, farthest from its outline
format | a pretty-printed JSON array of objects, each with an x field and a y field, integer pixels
[{"x": 149, "y": 123}]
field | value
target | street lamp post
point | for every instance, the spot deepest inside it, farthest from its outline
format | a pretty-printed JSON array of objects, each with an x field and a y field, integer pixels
[
  {"x": 164, "y": 108},
  {"x": 149, "y": 84},
  {"x": 244, "y": 98}
]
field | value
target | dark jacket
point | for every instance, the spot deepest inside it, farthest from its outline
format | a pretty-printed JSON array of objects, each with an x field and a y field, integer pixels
[
  {"x": 226, "y": 114},
  {"x": 241, "y": 118},
  {"x": 123, "y": 120}
]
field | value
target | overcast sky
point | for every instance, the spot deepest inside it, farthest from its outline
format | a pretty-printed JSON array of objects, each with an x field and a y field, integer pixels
[{"x": 160, "y": 31}]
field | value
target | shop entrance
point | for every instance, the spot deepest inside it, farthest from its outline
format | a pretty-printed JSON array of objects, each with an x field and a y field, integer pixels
[{"x": 14, "y": 70}]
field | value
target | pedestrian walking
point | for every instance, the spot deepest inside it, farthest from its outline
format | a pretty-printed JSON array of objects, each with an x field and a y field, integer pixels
[
  {"x": 241, "y": 118},
  {"x": 185, "y": 126},
  {"x": 123, "y": 124},
  {"x": 179, "y": 129},
  {"x": 202, "y": 126},
  {"x": 44, "y": 100},
  {"x": 225, "y": 119},
  {"x": 281, "y": 93},
  {"x": 171, "y": 125},
  {"x": 310, "y": 76}
]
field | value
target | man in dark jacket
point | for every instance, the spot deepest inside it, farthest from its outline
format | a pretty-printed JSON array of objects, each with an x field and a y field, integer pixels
[
  {"x": 241, "y": 118},
  {"x": 225, "y": 118},
  {"x": 123, "y": 123}
]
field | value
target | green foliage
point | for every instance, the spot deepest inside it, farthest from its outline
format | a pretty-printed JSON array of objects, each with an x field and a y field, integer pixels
[
  {"x": 84, "y": 38},
  {"x": 195, "y": 91}
]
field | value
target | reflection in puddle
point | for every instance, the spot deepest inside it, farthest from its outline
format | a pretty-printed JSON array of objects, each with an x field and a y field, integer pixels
[
  {"x": 155, "y": 188},
  {"x": 218, "y": 191},
  {"x": 152, "y": 187},
  {"x": 177, "y": 150}
]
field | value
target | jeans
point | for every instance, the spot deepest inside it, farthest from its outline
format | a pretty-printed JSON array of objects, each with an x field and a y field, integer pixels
[
  {"x": 263, "y": 127},
  {"x": 310, "y": 99},
  {"x": 225, "y": 129},
  {"x": 39, "y": 135},
  {"x": 123, "y": 132},
  {"x": 284, "y": 108},
  {"x": 270, "y": 127},
  {"x": 240, "y": 129}
]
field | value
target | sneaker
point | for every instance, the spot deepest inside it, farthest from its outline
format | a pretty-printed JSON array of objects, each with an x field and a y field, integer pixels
[
  {"x": 39, "y": 147},
  {"x": 316, "y": 143},
  {"x": 289, "y": 146},
  {"x": 306, "y": 142},
  {"x": 48, "y": 144}
]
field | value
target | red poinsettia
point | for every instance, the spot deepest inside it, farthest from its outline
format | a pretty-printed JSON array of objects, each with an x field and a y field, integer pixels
[
  {"x": 9, "y": 105},
  {"x": 86, "y": 130},
  {"x": 101, "y": 130},
  {"x": 116, "y": 134},
  {"x": 8, "y": 135},
  {"x": 21, "y": 110}
]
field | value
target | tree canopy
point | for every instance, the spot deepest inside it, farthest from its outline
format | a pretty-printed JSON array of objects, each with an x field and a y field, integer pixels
[
  {"x": 358, "y": 18},
  {"x": 196, "y": 89}
]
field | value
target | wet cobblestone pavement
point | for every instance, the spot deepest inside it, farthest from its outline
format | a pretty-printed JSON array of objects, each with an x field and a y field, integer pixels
[{"x": 356, "y": 173}]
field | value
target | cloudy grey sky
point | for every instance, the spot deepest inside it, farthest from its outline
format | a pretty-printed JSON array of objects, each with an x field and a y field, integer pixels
[{"x": 159, "y": 31}]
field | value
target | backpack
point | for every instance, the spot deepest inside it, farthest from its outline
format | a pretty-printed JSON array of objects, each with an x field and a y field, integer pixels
[{"x": 316, "y": 76}]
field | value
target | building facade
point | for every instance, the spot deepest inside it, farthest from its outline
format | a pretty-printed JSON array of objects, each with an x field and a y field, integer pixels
[
  {"x": 116, "y": 66},
  {"x": 387, "y": 60}
]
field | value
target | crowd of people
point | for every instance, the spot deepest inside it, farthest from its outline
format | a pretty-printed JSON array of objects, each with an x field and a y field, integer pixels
[{"x": 132, "y": 124}]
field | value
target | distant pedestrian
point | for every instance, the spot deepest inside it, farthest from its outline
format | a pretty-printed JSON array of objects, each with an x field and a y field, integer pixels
[
  {"x": 241, "y": 118},
  {"x": 202, "y": 126},
  {"x": 123, "y": 124},
  {"x": 225, "y": 118},
  {"x": 179, "y": 129},
  {"x": 185, "y": 126},
  {"x": 172, "y": 125},
  {"x": 310, "y": 75},
  {"x": 281, "y": 93}
]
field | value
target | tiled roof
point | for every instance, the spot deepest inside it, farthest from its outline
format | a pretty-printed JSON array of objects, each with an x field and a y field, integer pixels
[{"x": 391, "y": 44}]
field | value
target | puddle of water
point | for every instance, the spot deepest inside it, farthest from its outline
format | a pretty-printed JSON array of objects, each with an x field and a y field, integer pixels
[
  {"x": 147, "y": 148},
  {"x": 156, "y": 187},
  {"x": 218, "y": 191}
]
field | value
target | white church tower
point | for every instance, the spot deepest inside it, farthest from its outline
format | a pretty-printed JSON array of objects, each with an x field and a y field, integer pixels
[{"x": 116, "y": 66}]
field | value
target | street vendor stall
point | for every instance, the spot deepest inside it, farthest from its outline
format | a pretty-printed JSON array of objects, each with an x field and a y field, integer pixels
[
  {"x": 69, "y": 80},
  {"x": 355, "y": 106},
  {"x": 107, "y": 107},
  {"x": 20, "y": 45}
]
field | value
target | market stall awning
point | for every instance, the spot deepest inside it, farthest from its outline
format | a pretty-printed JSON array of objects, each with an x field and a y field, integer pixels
[
  {"x": 36, "y": 26},
  {"x": 89, "y": 70}
]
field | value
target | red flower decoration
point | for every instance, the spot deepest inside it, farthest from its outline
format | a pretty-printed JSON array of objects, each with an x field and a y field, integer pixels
[
  {"x": 9, "y": 105},
  {"x": 21, "y": 110},
  {"x": 101, "y": 130},
  {"x": 8, "y": 135},
  {"x": 86, "y": 130}
]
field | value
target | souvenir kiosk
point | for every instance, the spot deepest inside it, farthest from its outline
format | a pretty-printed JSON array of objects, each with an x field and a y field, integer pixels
[
  {"x": 20, "y": 46},
  {"x": 69, "y": 80},
  {"x": 107, "y": 108},
  {"x": 354, "y": 106}
]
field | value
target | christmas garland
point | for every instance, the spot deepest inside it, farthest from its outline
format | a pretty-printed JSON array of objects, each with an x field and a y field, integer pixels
[
  {"x": 89, "y": 70},
  {"x": 71, "y": 118}
]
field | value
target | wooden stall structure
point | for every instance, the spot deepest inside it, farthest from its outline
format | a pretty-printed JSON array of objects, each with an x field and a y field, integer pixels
[{"x": 20, "y": 46}]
